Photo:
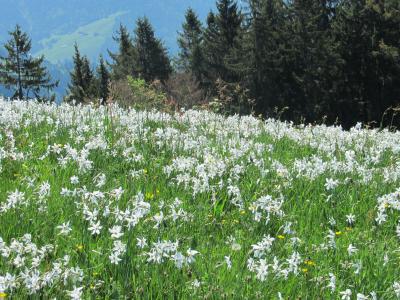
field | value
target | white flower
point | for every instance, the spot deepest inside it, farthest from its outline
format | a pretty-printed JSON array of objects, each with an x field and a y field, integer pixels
[
  {"x": 141, "y": 242},
  {"x": 228, "y": 262},
  {"x": 351, "y": 219},
  {"x": 116, "y": 231},
  {"x": 178, "y": 258},
  {"x": 396, "y": 287},
  {"x": 114, "y": 258},
  {"x": 351, "y": 250},
  {"x": 76, "y": 293},
  {"x": 190, "y": 255},
  {"x": 332, "y": 282},
  {"x": 361, "y": 297},
  {"x": 196, "y": 283},
  {"x": 65, "y": 228},
  {"x": 331, "y": 184},
  {"x": 95, "y": 228},
  {"x": 346, "y": 295},
  {"x": 74, "y": 180}
]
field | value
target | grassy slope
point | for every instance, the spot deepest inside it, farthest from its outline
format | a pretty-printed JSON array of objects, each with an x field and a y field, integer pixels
[{"x": 212, "y": 224}]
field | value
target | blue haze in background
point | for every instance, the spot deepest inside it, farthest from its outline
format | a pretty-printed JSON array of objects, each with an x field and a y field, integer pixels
[{"x": 55, "y": 25}]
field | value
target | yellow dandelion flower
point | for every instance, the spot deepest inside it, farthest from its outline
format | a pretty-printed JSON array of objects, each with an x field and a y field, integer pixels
[
  {"x": 304, "y": 270},
  {"x": 3, "y": 295},
  {"x": 309, "y": 262},
  {"x": 281, "y": 237},
  {"x": 79, "y": 247},
  {"x": 338, "y": 233}
]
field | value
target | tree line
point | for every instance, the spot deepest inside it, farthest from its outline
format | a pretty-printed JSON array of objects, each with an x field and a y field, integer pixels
[{"x": 303, "y": 60}]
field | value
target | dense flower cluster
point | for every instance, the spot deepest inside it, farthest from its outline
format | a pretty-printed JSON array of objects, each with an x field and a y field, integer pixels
[{"x": 106, "y": 201}]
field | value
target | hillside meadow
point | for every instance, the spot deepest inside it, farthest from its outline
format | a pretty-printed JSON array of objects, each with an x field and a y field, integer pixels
[{"x": 107, "y": 203}]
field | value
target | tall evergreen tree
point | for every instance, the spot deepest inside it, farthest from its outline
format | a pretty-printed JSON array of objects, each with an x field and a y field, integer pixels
[
  {"x": 369, "y": 37},
  {"x": 190, "y": 42},
  {"x": 82, "y": 86},
  {"x": 103, "y": 79},
  {"x": 152, "y": 57},
  {"x": 22, "y": 72},
  {"x": 313, "y": 56},
  {"x": 124, "y": 61},
  {"x": 260, "y": 58},
  {"x": 220, "y": 38}
]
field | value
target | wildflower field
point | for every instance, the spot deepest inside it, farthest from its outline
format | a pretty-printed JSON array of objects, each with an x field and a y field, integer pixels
[{"x": 105, "y": 203}]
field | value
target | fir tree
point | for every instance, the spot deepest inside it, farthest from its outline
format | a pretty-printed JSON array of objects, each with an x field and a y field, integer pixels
[
  {"x": 82, "y": 87},
  {"x": 189, "y": 42},
  {"x": 22, "y": 72},
  {"x": 123, "y": 62},
  {"x": 220, "y": 38},
  {"x": 103, "y": 79},
  {"x": 370, "y": 45},
  {"x": 152, "y": 58}
]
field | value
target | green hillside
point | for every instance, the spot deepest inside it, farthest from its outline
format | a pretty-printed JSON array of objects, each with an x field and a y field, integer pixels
[{"x": 91, "y": 38}]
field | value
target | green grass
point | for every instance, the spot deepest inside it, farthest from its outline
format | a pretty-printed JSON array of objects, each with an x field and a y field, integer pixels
[{"x": 212, "y": 221}]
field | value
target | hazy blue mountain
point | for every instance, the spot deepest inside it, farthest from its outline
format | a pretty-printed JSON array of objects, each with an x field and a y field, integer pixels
[{"x": 55, "y": 25}]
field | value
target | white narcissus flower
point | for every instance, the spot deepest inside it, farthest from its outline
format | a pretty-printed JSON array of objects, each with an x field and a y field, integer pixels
[
  {"x": 65, "y": 228},
  {"x": 95, "y": 228},
  {"x": 76, "y": 293},
  {"x": 346, "y": 295}
]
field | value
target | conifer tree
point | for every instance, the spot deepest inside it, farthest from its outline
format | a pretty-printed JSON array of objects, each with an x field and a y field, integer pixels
[
  {"x": 124, "y": 61},
  {"x": 220, "y": 38},
  {"x": 370, "y": 45},
  {"x": 103, "y": 79},
  {"x": 20, "y": 71},
  {"x": 152, "y": 58},
  {"x": 82, "y": 87},
  {"x": 189, "y": 42}
]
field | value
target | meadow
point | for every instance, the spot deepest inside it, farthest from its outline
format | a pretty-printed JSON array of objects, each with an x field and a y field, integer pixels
[{"x": 107, "y": 203}]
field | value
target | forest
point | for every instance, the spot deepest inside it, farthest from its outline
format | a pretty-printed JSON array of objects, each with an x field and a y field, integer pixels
[{"x": 327, "y": 61}]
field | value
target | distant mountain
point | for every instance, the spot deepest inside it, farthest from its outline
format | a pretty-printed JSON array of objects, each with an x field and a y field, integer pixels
[{"x": 55, "y": 25}]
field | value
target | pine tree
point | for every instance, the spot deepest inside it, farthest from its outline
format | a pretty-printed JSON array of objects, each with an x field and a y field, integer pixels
[
  {"x": 82, "y": 87},
  {"x": 103, "y": 79},
  {"x": 152, "y": 58},
  {"x": 189, "y": 42},
  {"x": 20, "y": 71},
  {"x": 124, "y": 62}
]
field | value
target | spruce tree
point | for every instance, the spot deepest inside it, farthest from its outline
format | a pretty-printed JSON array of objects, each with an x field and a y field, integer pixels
[
  {"x": 123, "y": 62},
  {"x": 370, "y": 46},
  {"x": 82, "y": 87},
  {"x": 189, "y": 42},
  {"x": 103, "y": 79},
  {"x": 20, "y": 71},
  {"x": 220, "y": 38},
  {"x": 152, "y": 58}
]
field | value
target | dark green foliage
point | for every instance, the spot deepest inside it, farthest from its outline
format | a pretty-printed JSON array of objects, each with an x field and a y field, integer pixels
[
  {"x": 103, "y": 80},
  {"x": 319, "y": 60},
  {"x": 21, "y": 72},
  {"x": 124, "y": 61},
  {"x": 221, "y": 37},
  {"x": 190, "y": 43},
  {"x": 83, "y": 85},
  {"x": 152, "y": 59}
]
